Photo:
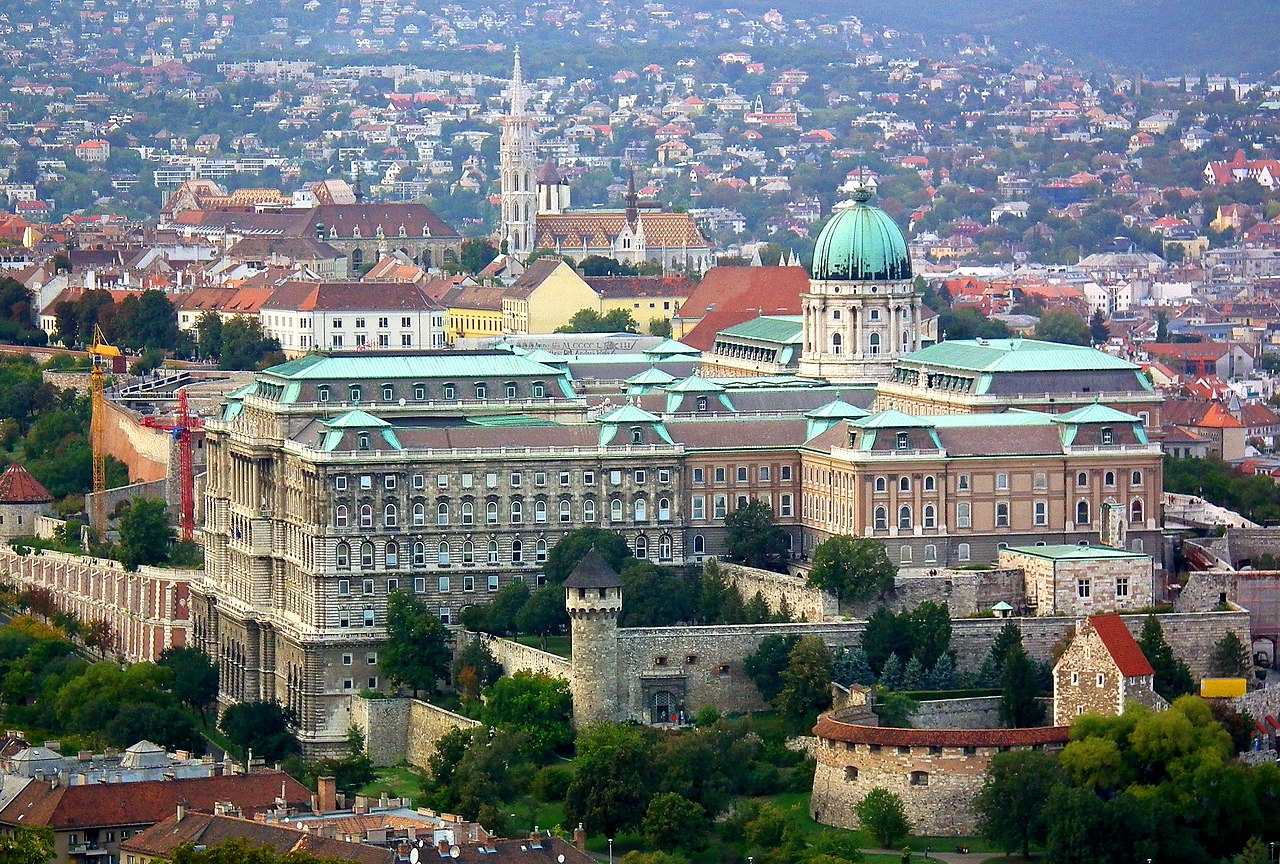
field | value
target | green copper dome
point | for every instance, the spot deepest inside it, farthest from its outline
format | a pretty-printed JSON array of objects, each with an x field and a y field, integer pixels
[{"x": 861, "y": 243}]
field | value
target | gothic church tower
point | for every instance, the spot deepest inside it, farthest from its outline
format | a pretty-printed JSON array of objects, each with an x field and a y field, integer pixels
[{"x": 519, "y": 197}]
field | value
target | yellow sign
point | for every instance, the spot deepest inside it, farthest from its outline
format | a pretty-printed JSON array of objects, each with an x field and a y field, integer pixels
[{"x": 1222, "y": 688}]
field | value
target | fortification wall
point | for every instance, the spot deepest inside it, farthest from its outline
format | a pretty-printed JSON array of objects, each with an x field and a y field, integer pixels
[
  {"x": 145, "y": 451},
  {"x": 152, "y": 489},
  {"x": 963, "y": 592},
  {"x": 80, "y": 382},
  {"x": 516, "y": 657},
  {"x": 979, "y": 712},
  {"x": 403, "y": 729},
  {"x": 804, "y": 603}
]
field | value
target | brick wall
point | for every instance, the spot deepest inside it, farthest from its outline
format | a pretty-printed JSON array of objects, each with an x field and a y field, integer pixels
[{"x": 805, "y": 603}]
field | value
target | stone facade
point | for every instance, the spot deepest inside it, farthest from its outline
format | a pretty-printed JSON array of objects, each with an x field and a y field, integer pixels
[
  {"x": 408, "y": 729},
  {"x": 516, "y": 657},
  {"x": 1088, "y": 679},
  {"x": 804, "y": 603},
  {"x": 1075, "y": 581},
  {"x": 963, "y": 591}
]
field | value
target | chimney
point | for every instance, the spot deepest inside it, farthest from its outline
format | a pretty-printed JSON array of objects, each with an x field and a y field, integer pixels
[
  {"x": 580, "y": 837},
  {"x": 182, "y": 813},
  {"x": 327, "y": 794},
  {"x": 442, "y": 846}
]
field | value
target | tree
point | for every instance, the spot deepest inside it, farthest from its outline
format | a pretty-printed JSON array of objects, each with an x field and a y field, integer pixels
[
  {"x": 538, "y": 706},
  {"x": 753, "y": 538},
  {"x": 1172, "y": 678},
  {"x": 209, "y": 334},
  {"x": 145, "y": 533},
  {"x": 244, "y": 345},
  {"x": 883, "y": 814},
  {"x": 765, "y": 665},
  {"x": 591, "y": 321},
  {"x": 266, "y": 728},
  {"x": 852, "y": 568},
  {"x": 194, "y": 676},
  {"x": 498, "y": 617},
  {"x": 1063, "y": 325},
  {"x": 1230, "y": 657},
  {"x": 543, "y": 614},
  {"x": 1011, "y": 805},
  {"x": 416, "y": 653},
  {"x": 672, "y": 820},
  {"x": 573, "y": 547},
  {"x": 1099, "y": 332},
  {"x": 474, "y": 668},
  {"x": 1162, "y": 326},
  {"x": 806, "y": 682},
  {"x": 612, "y": 778},
  {"x": 1019, "y": 705},
  {"x": 477, "y": 252},
  {"x": 241, "y": 851},
  {"x": 850, "y": 666},
  {"x": 929, "y": 626},
  {"x": 27, "y": 845}
]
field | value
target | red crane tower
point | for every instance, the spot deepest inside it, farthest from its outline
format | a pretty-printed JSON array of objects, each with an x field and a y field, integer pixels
[{"x": 181, "y": 428}]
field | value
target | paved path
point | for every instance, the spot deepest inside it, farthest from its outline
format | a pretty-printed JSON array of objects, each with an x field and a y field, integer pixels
[{"x": 950, "y": 857}]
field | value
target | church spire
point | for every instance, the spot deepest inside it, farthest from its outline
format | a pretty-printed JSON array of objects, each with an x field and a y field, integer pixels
[
  {"x": 633, "y": 200},
  {"x": 517, "y": 87}
]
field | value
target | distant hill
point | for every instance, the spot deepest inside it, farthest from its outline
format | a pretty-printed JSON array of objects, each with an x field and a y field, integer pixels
[{"x": 1165, "y": 37}]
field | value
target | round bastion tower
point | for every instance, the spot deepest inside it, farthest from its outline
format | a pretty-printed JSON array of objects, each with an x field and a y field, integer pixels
[{"x": 593, "y": 596}]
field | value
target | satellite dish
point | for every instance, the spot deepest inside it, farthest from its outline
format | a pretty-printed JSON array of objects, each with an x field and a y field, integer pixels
[
  {"x": 559, "y": 859},
  {"x": 402, "y": 403},
  {"x": 454, "y": 851},
  {"x": 413, "y": 856}
]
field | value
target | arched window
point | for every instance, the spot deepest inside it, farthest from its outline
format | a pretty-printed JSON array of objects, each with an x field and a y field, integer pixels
[
  {"x": 517, "y": 552},
  {"x": 1135, "y": 545},
  {"x": 342, "y": 556},
  {"x": 642, "y": 547},
  {"x": 491, "y": 512},
  {"x": 904, "y": 518},
  {"x": 566, "y": 511},
  {"x": 1002, "y": 514},
  {"x": 340, "y": 516},
  {"x": 540, "y": 551},
  {"x": 482, "y": 390},
  {"x": 588, "y": 511},
  {"x": 664, "y": 547},
  {"x": 873, "y": 343},
  {"x": 930, "y": 483},
  {"x": 881, "y": 519},
  {"x": 904, "y": 483},
  {"x": 492, "y": 552},
  {"x": 354, "y": 393},
  {"x": 390, "y": 516},
  {"x": 391, "y": 555},
  {"x": 366, "y": 516},
  {"x": 539, "y": 511},
  {"x": 1109, "y": 478},
  {"x": 641, "y": 508},
  {"x": 1135, "y": 479},
  {"x": 962, "y": 552},
  {"x": 419, "y": 513},
  {"x": 637, "y": 435},
  {"x": 1136, "y": 511},
  {"x": 903, "y": 442},
  {"x": 442, "y": 553},
  {"x": 699, "y": 544},
  {"x": 930, "y": 516},
  {"x": 468, "y": 552},
  {"x": 468, "y": 513},
  {"x": 419, "y": 554},
  {"x": 882, "y": 485},
  {"x": 322, "y": 393},
  {"x": 664, "y": 509},
  {"x": 509, "y": 389},
  {"x": 517, "y": 512},
  {"x": 931, "y": 553},
  {"x": 1082, "y": 513},
  {"x": 362, "y": 441},
  {"x": 450, "y": 392},
  {"x": 442, "y": 513},
  {"x": 366, "y": 555},
  {"x": 1082, "y": 479},
  {"x": 538, "y": 390},
  {"x": 837, "y": 343},
  {"x": 615, "y": 510}
]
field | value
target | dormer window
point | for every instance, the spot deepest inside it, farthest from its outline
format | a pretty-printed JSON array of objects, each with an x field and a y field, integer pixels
[
  {"x": 702, "y": 403},
  {"x": 637, "y": 435},
  {"x": 903, "y": 441},
  {"x": 355, "y": 394},
  {"x": 322, "y": 393},
  {"x": 426, "y": 231},
  {"x": 403, "y": 233},
  {"x": 1108, "y": 435},
  {"x": 362, "y": 441},
  {"x": 355, "y": 232}
]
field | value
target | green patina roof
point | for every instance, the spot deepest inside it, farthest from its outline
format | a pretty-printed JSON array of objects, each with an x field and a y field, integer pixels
[
  {"x": 671, "y": 347},
  {"x": 1015, "y": 355},
  {"x": 861, "y": 243},
  {"x": 781, "y": 329},
  {"x": 694, "y": 384},
  {"x": 508, "y": 421},
  {"x": 1096, "y": 413},
  {"x": 542, "y": 355},
  {"x": 893, "y": 419},
  {"x": 321, "y": 367},
  {"x": 628, "y": 414},
  {"x": 652, "y": 375},
  {"x": 1074, "y": 553},
  {"x": 838, "y": 409},
  {"x": 356, "y": 419}
]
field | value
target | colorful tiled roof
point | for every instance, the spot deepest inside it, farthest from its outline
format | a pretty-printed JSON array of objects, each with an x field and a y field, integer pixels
[
  {"x": 18, "y": 486},
  {"x": 1121, "y": 645},
  {"x": 1015, "y": 355}
]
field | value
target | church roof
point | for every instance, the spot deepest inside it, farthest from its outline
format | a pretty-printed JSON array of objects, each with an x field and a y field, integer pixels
[
  {"x": 661, "y": 230},
  {"x": 18, "y": 486},
  {"x": 548, "y": 172},
  {"x": 861, "y": 243}
]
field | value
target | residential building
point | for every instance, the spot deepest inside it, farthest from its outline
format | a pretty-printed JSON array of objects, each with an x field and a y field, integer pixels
[
  {"x": 161, "y": 841},
  {"x": 545, "y": 297},
  {"x": 352, "y": 316},
  {"x": 1101, "y": 671},
  {"x": 1084, "y": 580}
]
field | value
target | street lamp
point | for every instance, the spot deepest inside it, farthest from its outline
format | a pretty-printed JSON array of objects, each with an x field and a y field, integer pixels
[{"x": 610, "y": 850}]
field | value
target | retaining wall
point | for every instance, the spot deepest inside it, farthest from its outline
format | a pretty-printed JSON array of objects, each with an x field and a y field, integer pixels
[
  {"x": 516, "y": 657},
  {"x": 805, "y": 603},
  {"x": 403, "y": 729}
]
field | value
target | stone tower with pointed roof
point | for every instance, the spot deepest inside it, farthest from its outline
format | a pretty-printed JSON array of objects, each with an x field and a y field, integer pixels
[
  {"x": 593, "y": 597},
  {"x": 518, "y": 165},
  {"x": 861, "y": 311},
  {"x": 22, "y": 500}
]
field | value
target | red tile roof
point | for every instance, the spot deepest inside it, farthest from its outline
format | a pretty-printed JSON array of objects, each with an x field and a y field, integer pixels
[
  {"x": 833, "y": 729},
  {"x": 727, "y": 296},
  {"x": 17, "y": 486},
  {"x": 163, "y": 839},
  {"x": 1121, "y": 645}
]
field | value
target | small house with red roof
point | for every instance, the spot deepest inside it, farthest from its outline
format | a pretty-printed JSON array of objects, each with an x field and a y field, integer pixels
[
  {"x": 1102, "y": 670},
  {"x": 22, "y": 500}
]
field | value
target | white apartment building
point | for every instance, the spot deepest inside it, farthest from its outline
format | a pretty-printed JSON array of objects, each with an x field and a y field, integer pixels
[{"x": 352, "y": 316}]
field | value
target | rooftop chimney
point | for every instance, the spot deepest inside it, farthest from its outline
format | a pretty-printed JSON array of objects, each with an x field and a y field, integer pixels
[
  {"x": 580, "y": 837},
  {"x": 182, "y": 813},
  {"x": 327, "y": 789}
]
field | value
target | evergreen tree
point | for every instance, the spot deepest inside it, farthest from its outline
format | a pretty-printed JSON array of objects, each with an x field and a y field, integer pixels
[
  {"x": 1230, "y": 657},
  {"x": 1172, "y": 678},
  {"x": 943, "y": 674},
  {"x": 914, "y": 675},
  {"x": 892, "y": 676},
  {"x": 1019, "y": 706},
  {"x": 851, "y": 667}
]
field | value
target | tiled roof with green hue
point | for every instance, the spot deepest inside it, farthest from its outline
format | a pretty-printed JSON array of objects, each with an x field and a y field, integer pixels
[
  {"x": 629, "y": 414},
  {"x": 1015, "y": 355},
  {"x": 320, "y": 367},
  {"x": 493, "y": 421},
  {"x": 671, "y": 347},
  {"x": 861, "y": 243},
  {"x": 838, "y": 409},
  {"x": 893, "y": 419},
  {"x": 780, "y": 329},
  {"x": 356, "y": 419},
  {"x": 652, "y": 375},
  {"x": 1074, "y": 553},
  {"x": 694, "y": 384},
  {"x": 1096, "y": 413}
]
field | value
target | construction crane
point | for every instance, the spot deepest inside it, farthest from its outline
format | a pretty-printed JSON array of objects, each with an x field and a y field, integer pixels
[
  {"x": 103, "y": 356},
  {"x": 181, "y": 428}
]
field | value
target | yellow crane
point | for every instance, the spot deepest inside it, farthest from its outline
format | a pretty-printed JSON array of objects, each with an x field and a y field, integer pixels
[{"x": 102, "y": 354}]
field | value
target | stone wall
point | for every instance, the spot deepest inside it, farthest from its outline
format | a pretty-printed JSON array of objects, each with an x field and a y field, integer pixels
[
  {"x": 979, "y": 712},
  {"x": 403, "y": 729},
  {"x": 963, "y": 592},
  {"x": 805, "y": 603},
  {"x": 145, "y": 451},
  {"x": 516, "y": 657},
  {"x": 151, "y": 489},
  {"x": 80, "y": 382}
]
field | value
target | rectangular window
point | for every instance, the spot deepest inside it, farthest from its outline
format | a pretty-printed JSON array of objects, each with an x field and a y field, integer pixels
[
  {"x": 420, "y": 585},
  {"x": 540, "y": 478},
  {"x": 389, "y": 481},
  {"x": 344, "y": 587},
  {"x": 640, "y": 477},
  {"x": 366, "y": 481},
  {"x": 765, "y": 473},
  {"x": 419, "y": 482},
  {"x": 442, "y": 481},
  {"x": 467, "y": 481},
  {"x": 468, "y": 583},
  {"x": 699, "y": 508},
  {"x": 588, "y": 478},
  {"x": 742, "y": 474},
  {"x": 1083, "y": 588},
  {"x": 347, "y": 659},
  {"x": 664, "y": 475},
  {"x": 373, "y": 682},
  {"x": 720, "y": 475},
  {"x": 444, "y": 615},
  {"x": 615, "y": 478},
  {"x": 344, "y": 619},
  {"x": 785, "y": 472},
  {"x": 721, "y": 506},
  {"x": 1002, "y": 481},
  {"x": 491, "y": 480},
  {"x": 699, "y": 475},
  {"x": 340, "y": 484},
  {"x": 784, "y": 505},
  {"x": 515, "y": 479},
  {"x": 1042, "y": 512},
  {"x": 564, "y": 478},
  {"x": 1122, "y": 586},
  {"x": 368, "y": 617},
  {"x": 1040, "y": 480},
  {"x": 493, "y": 582},
  {"x": 442, "y": 585},
  {"x": 367, "y": 586},
  {"x": 406, "y": 322},
  {"x": 348, "y": 684}
]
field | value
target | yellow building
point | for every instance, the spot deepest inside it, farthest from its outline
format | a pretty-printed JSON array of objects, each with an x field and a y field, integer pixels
[
  {"x": 647, "y": 298},
  {"x": 474, "y": 312},
  {"x": 545, "y": 297}
]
